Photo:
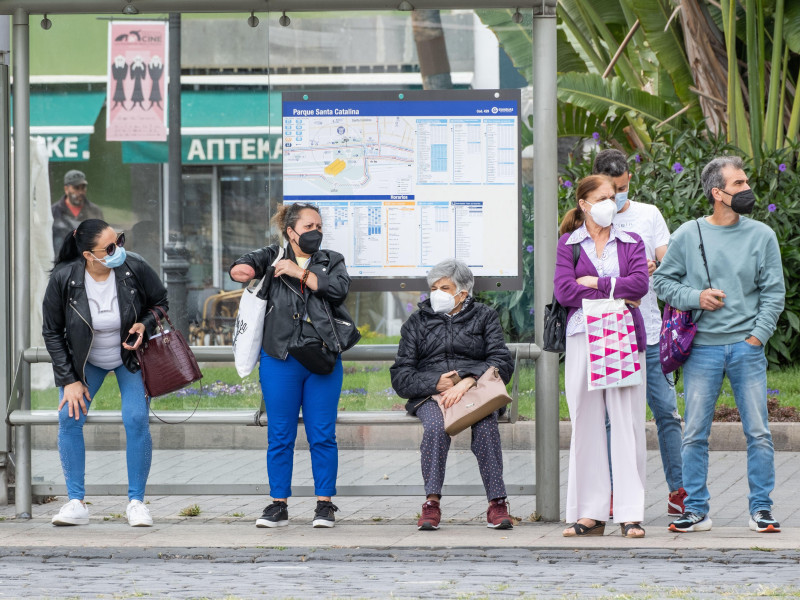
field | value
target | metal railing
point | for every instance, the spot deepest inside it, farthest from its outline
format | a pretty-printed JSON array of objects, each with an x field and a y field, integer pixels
[{"x": 205, "y": 354}]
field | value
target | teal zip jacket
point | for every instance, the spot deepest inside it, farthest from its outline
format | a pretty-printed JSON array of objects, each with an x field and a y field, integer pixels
[{"x": 744, "y": 261}]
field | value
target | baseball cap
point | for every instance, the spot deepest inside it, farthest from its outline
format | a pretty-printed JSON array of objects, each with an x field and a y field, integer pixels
[{"x": 74, "y": 177}]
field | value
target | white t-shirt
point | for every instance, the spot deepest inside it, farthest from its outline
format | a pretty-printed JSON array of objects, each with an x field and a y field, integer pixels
[
  {"x": 106, "y": 351},
  {"x": 646, "y": 221}
]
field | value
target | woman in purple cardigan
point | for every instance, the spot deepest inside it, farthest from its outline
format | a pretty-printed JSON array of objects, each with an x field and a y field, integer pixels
[{"x": 609, "y": 259}]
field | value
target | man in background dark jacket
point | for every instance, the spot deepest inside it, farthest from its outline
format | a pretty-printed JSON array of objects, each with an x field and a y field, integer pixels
[{"x": 72, "y": 209}]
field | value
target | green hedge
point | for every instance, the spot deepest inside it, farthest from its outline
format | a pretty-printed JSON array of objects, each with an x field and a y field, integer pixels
[{"x": 669, "y": 177}]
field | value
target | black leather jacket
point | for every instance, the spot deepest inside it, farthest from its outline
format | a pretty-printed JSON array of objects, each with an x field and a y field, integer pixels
[
  {"x": 325, "y": 306},
  {"x": 67, "y": 320},
  {"x": 432, "y": 344}
]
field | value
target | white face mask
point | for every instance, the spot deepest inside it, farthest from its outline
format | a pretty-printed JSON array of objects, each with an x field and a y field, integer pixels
[
  {"x": 442, "y": 302},
  {"x": 603, "y": 212}
]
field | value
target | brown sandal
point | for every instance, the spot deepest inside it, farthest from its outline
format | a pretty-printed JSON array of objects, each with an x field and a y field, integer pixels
[
  {"x": 579, "y": 529},
  {"x": 631, "y": 530}
]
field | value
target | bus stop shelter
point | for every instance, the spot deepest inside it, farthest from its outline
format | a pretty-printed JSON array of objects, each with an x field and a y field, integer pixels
[{"x": 15, "y": 308}]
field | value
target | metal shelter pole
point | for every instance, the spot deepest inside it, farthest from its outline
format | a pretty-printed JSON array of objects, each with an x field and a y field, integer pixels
[
  {"x": 21, "y": 232},
  {"x": 545, "y": 203},
  {"x": 6, "y": 337},
  {"x": 176, "y": 264}
]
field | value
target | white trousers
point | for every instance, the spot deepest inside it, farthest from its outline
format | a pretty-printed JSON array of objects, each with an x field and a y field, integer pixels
[{"x": 589, "y": 484}]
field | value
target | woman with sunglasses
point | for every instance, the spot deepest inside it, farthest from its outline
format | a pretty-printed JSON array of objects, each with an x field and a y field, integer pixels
[{"x": 95, "y": 315}]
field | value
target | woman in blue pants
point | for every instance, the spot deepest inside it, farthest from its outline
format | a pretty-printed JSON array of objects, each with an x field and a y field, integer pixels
[
  {"x": 305, "y": 303},
  {"x": 96, "y": 313}
]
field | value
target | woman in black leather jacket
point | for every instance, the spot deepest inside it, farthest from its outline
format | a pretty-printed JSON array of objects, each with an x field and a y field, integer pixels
[
  {"x": 444, "y": 349},
  {"x": 95, "y": 315},
  {"x": 307, "y": 290}
]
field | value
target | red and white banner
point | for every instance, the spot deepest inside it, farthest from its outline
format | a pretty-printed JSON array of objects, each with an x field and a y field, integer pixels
[{"x": 137, "y": 81}]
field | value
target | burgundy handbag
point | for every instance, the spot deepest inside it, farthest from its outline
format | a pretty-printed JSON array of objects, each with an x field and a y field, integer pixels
[{"x": 167, "y": 362}]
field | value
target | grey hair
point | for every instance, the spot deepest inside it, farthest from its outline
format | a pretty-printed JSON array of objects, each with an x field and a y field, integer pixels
[
  {"x": 455, "y": 270},
  {"x": 712, "y": 177}
]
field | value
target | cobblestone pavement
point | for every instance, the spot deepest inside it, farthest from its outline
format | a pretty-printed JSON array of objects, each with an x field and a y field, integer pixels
[
  {"x": 376, "y": 552},
  {"x": 414, "y": 573}
]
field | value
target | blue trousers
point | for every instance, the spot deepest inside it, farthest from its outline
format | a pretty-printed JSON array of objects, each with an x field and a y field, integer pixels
[
  {"x": 135, "y": 418},
  {"x": 663, "y": 403},
  {"x": 746, "y": 368},
  {"x": 289, "y": 387}
]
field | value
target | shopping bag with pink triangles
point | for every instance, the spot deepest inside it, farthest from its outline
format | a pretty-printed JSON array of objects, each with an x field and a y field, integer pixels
[{"x": 611, "y": 337}]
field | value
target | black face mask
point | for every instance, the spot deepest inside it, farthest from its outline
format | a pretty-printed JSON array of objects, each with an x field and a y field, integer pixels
[
  {"x": 742, "y": 202},
  {"x": 310, "y": 241}
]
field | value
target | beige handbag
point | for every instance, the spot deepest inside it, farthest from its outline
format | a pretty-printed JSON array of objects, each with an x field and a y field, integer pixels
[{"x": 486, "y": 396}]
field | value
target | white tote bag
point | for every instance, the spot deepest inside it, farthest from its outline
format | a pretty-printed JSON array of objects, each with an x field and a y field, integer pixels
[
  {"x": 248, "y": 332},
  {"x": 611, "y": 337}
]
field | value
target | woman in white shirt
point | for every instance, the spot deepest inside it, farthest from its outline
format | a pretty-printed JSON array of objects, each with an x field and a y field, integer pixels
[{"x": 96, "y": 313}]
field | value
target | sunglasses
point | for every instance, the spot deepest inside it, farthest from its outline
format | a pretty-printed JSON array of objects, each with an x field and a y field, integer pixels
[{"x": 111, "y": 248}]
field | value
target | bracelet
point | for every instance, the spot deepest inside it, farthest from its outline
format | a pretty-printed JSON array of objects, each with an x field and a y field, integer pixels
[{"x": 303, "y": 281}]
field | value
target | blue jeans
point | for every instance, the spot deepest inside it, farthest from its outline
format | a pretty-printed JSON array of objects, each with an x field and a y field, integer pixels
[
  {"x": 287, "y": 387},
  {"x": 135, "y": 418},
  {"x": 746, "y": 368},
  {"x": 663, "y": 404}
]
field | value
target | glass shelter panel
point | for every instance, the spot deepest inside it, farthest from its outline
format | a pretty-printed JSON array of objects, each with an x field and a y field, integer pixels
[{"x": 233, "y": 77}]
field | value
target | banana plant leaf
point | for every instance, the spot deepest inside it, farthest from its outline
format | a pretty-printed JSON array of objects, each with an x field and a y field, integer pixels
[
  {"x": 613, "y": 97},
  {"x": 667, "y": 43},
  {"x": 576, "y": 121},
  {"x": 515, "y": 38}
]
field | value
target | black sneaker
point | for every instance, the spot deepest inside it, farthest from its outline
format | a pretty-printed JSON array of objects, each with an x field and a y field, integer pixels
[
  {"x": 763, "y": 522},
  {"x": 275, "y": 515},
  {"x": 323, "y": 515},
  {"x": 690, "y": 521}
]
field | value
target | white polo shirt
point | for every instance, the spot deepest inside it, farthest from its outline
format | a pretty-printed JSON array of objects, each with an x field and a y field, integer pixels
[{"x": 646, "y": 221}]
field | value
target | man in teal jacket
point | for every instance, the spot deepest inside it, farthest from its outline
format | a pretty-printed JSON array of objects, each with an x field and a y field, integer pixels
[{"x": 736, "y": 312}]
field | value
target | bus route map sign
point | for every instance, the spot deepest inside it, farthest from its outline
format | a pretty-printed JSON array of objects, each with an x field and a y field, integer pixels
[{"x": 406, "y": 179}]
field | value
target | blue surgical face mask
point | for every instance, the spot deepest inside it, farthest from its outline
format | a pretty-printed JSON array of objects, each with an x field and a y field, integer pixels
[
  {"x": 115, "y": 260},
  {"x": 621, "y": 198}
]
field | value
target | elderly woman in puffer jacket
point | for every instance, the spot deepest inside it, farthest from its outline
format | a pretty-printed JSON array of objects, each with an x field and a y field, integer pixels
[{"x": 444, "y": 348}]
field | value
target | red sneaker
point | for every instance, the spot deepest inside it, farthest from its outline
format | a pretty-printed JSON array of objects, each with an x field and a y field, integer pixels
[
  {"x": 497, "y": 516},
  {"x": 675, "y": 501},
  {"x": 431, "y": 515}
]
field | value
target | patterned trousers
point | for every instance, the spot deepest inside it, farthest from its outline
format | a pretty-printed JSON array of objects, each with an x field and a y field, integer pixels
[{"x": 436, "y": 443}]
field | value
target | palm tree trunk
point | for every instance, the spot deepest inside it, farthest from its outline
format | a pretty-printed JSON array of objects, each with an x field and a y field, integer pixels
[
  {"x": 707, "y": 60},
  {"x": 431, "y": 50}
]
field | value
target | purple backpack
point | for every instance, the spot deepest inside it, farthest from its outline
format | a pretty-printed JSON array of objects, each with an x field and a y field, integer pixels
[
  {"x": 678, "y": 328},
  {"x": 675, "y": 341}
]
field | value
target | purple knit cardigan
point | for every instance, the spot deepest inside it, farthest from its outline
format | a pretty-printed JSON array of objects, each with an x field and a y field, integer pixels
[{"x": 632, "y": 284}]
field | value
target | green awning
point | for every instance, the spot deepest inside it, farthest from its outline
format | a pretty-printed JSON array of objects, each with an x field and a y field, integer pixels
[
  {"x": 220, "y": 127},
  {"x": 65, "y": 120}
]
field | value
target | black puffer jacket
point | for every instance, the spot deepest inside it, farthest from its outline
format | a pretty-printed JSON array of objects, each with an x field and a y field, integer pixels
[
  {"x": 325, "y": 306},
  {"x": 433, "y": 344},
  {"x": 67, "y": 320}
]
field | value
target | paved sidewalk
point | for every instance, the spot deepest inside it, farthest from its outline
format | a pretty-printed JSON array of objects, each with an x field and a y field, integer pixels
[
  {"x": 384, "y": 521},
  {"x": 375, "y": 550}
]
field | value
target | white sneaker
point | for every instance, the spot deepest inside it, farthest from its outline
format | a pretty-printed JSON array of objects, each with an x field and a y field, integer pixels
[
  {"x": 73, "y": 512},
  {"x": 138, "y": 514}
]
